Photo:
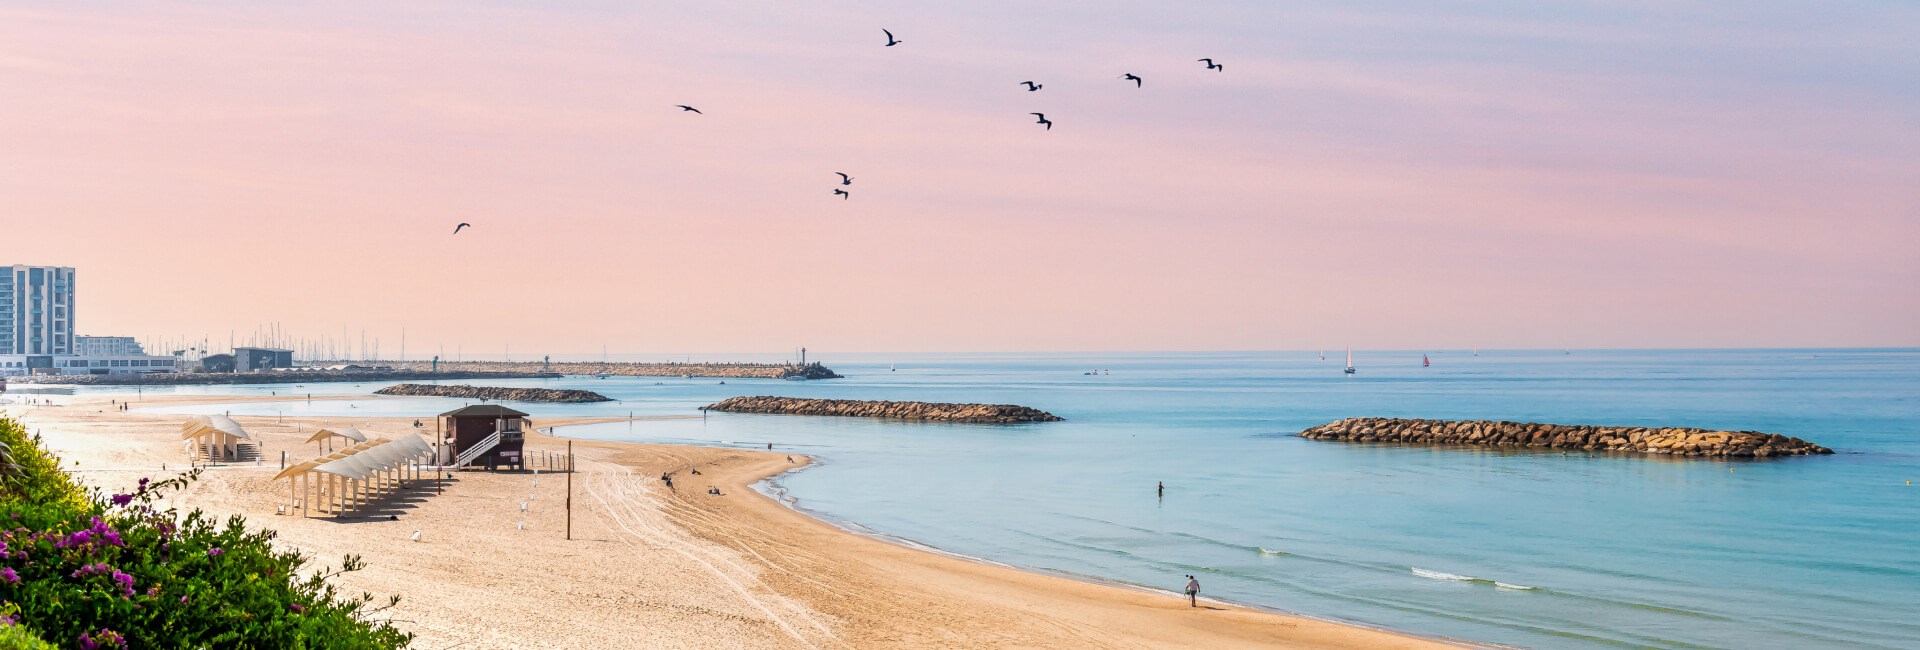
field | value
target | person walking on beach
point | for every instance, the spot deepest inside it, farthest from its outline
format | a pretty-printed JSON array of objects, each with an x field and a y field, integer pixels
[
  {"x": 1193, "y": 591},
  {"x": 1162, "y": 492}
]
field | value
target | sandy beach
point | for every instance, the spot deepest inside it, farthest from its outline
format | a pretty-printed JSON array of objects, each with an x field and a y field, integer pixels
[{"x": 649, "y": 566}]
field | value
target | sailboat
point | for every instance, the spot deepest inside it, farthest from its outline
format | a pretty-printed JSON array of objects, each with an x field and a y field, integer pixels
[
  {"x": 1424, "y": 362},
  {"x": 890, "y": 367},
  {"x": 1323, "y": 355},
  {"x": 1349, "y": 359}
]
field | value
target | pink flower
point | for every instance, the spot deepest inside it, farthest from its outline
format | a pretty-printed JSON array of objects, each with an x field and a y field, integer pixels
[
  {"x": 8, "y": 575},
  {"x": 214, "y": 552}
]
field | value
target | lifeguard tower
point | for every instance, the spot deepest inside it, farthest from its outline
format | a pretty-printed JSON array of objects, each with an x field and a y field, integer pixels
[{"x": 483, "y": 434}]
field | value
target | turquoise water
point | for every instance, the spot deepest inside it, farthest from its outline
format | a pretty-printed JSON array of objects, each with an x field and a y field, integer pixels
[{"x": 1542, "y": 549}]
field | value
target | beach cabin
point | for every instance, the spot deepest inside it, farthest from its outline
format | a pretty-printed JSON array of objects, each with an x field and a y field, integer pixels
[{"x": 483, "y": 434}]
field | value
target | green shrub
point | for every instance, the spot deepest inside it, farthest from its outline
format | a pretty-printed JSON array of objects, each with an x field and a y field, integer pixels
[{"x": 118, "y": 572}]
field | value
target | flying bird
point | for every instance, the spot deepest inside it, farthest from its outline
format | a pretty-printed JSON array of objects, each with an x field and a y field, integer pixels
[
  {"x": 1043, "y": 120},
  {"x": 1031, "y": 86},
  {"x": 1133, "y": 78},
  {"x": 844, "y": 178},
  {"x": 463, "y": 224},
  {"x": 891, "y": 41},
  {"x": 1213, "y": 66},
  {"x": 843, "y": 193},
  {"x": 688, "y": 109}
]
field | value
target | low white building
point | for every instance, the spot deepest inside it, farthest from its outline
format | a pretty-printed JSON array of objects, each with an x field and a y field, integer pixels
[{"x": 65, "y": 364}]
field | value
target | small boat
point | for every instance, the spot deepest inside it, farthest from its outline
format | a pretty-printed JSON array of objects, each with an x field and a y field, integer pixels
[
  {"x": 1424, "y": 363},
  {"x": 796, "y": 377},
  {"x": 1349, "y": 359}
]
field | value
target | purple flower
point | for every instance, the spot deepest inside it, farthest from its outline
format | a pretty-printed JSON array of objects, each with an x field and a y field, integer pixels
[
  {"x": 183, "y": 600},
  {"x": 297, "y": 608},
  {"x": 76, "y": 539},
  {"x": 126, "y": 583},
  {"x": 122, "y": 499},
  {"x": 104, "y": 638},
  {"x": 8, "y": 575},
  {"x": 214, "y": 552}
]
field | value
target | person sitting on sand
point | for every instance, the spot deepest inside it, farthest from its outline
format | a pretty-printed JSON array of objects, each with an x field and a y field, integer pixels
[{"x": 1193, "y": 591}]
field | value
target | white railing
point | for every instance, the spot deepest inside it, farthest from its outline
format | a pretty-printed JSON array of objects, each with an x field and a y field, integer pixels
[{"x": 485, "y": 445}]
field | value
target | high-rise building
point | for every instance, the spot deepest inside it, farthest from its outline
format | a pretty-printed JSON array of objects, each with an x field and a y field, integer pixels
[{"x": 36, "y": 309}]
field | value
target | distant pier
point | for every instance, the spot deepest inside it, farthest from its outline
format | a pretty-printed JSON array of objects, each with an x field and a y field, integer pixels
[{"x": 624, "y": 369}]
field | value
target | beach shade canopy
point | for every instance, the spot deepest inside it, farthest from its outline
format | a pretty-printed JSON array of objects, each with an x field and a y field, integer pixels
[
  {"x": 211, "y": 425},
  {"x": 364, "y": 459},
  {"x": 349, "y": 433}
]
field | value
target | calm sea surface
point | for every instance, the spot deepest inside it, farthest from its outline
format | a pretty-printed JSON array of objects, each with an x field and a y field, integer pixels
[{"x": 1543, "y": 549}]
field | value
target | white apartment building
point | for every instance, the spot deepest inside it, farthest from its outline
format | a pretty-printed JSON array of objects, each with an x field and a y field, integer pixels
[{"x": 36, "y": 309}]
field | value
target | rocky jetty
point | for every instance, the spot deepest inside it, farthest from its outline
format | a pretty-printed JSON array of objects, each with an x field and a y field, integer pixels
[
  {"x": 928, "y": 411},
  {"x": 271, "y": 377},
  {"x": 1685, "y": 442},
  {"x": 494, "y": 393},
  {"x": 663, "y": 369}
]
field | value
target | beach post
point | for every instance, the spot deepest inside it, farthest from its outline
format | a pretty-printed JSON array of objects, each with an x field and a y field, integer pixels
[{"x": 569, "y": 490}]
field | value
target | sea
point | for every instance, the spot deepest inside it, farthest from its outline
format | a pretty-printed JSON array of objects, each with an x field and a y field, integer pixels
[{"x": 1530, "y": 548}]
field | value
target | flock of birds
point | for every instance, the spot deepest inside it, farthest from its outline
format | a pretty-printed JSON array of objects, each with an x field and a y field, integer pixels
[{"x": 1040, "y": 118}]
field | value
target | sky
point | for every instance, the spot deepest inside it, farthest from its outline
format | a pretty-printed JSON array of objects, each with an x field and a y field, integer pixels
[{"x": 1382, "y": 174}]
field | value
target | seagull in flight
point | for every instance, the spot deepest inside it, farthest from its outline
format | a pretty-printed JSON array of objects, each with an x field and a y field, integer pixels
[
  {"x": 1031, "y": 86},
  {"x": 1133, "y": 78},
  {"x": 463, "y": 224},
  {"x": 689, "y": 109},
  {"x": 891, "y": 41},
  {"x": 844, "y": 178},
  {"x": 844, "y": 195},
  {"x": 1213, "y": 66},
  {"x": 1043, "y": 120}
]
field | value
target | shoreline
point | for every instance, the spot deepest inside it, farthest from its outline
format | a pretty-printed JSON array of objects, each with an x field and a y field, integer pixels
[
  {"x": 694, "y": 570},
  {"x": 855, "y": 528}
]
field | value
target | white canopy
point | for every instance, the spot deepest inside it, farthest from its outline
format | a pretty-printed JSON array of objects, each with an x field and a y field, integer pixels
[
  {"x": 203, "y": 425},
  {"x": 349, "y": 433},
  {"x": 365, "y": 459}
]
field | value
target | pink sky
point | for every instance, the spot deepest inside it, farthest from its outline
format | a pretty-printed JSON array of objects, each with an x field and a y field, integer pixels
[{"x": 1387, "y": 176}]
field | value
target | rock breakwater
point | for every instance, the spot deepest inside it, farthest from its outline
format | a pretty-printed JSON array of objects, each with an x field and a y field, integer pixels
[
  {"x": 1670, "y": 441},
  {"x": 565, "y": 396},
  {"x": 929, "y": 411}
]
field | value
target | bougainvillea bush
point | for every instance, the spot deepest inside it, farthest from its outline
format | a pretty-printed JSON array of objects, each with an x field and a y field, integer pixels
[{"x": 81, "y": 569}]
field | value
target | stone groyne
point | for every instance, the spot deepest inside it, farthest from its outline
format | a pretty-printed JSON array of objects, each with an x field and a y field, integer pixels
[
  {"x": 270, "y": 377},
  {"x": 1683, "y": 442},
  {"x": 622, "y": 369},
  {"x": 565, "y": 396},
  {"x": 928, "y": 411}
]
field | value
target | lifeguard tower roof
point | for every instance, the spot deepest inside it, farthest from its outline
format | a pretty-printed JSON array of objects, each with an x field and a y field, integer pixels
[{"x": 484, "y": 411}]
